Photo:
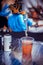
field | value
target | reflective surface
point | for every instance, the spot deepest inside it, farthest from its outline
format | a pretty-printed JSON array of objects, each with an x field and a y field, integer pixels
[
  {"x": 14, "y": 57},
  {"x": 7, "y": 58},
  {"x": 36, "y": 29}
]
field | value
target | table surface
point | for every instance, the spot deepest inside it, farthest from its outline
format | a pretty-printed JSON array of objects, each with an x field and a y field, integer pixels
[
  {"x": 14, "y": 57},
  {"x": 7, "y": 58}
]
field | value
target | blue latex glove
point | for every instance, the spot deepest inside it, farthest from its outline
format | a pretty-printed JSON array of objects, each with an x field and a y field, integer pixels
[
  {"x": 5, "y": 7},
  {"x": 5, "y": 12}
]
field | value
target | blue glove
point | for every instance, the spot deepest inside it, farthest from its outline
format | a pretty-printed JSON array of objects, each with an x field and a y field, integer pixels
[{"x": 4, "y": 12}]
